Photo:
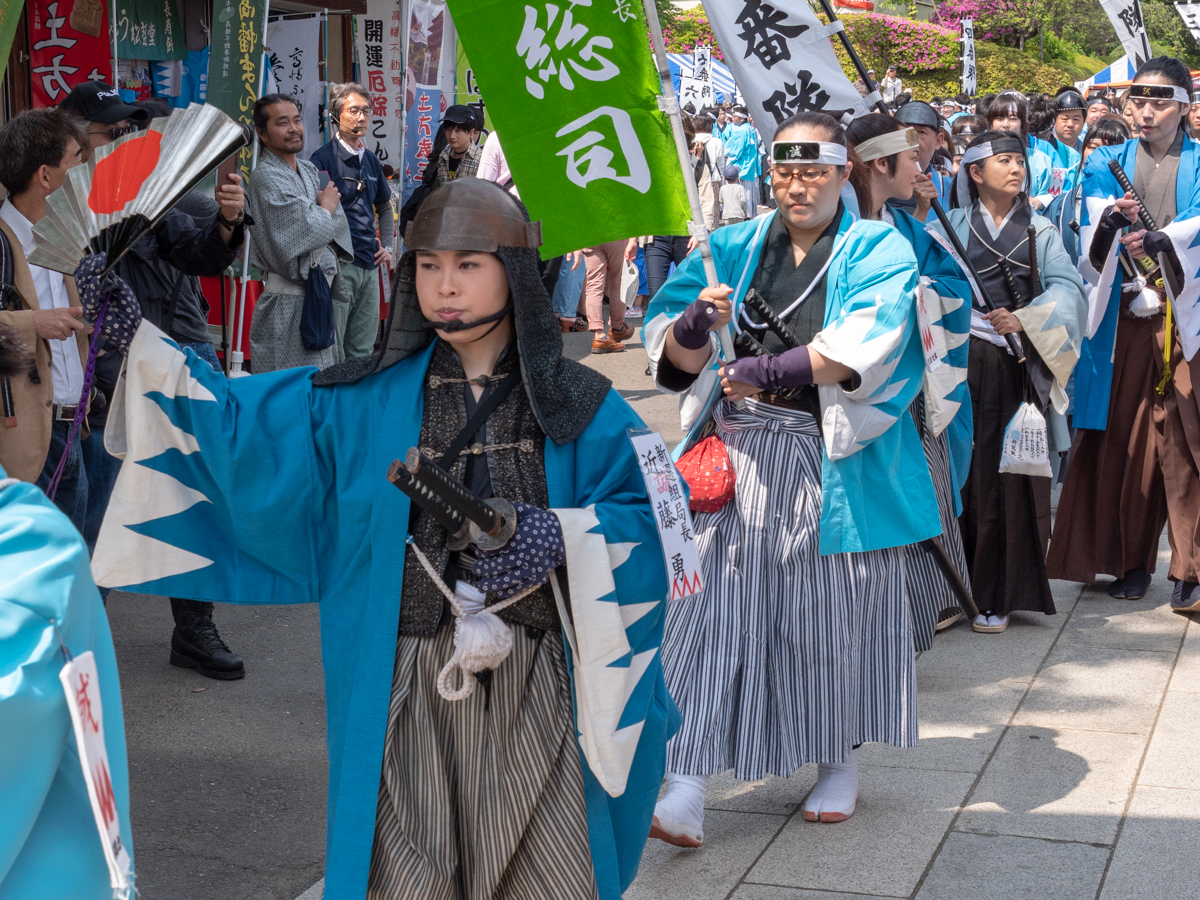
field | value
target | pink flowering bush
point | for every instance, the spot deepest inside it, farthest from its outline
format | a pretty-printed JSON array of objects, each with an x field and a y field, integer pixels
[
  {"x": 995, "y": 20},
  {"x": 689, "y": 31},
  {"x": 909, "y": 45}
]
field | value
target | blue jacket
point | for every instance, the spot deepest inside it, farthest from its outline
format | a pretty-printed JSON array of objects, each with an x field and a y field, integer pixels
[
  {"x": 269, "y": 489},
  {"x": 875, "y": 485},
  {"x": 362, "y": 206},
  {"x": 49, "y": 844},
  {"x": 1093, "y": 376}
]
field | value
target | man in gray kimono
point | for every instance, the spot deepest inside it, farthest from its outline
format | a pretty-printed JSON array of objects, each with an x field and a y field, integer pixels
[{"x": 298, "y": 224}]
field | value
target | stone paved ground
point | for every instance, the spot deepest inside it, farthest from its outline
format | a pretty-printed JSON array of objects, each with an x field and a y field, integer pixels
[{"x": 1056, "y": 762}]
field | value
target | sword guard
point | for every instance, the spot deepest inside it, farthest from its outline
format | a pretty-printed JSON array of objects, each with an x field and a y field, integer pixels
[{"x": 508, "y": 526}]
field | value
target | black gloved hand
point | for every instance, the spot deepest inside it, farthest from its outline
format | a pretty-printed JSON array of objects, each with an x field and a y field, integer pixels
[
  {"x": 1156, "y": 242},
  {"x": 527, "y": 560},
  {"x": 692, "y": 328},
  {"x": 1113, "y": 221},
  {"x": 124, "y": 313}
]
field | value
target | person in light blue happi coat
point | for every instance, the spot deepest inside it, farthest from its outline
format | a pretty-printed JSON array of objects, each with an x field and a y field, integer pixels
[
  {"x": 535, "y": 780},
  {"x": 1010, "y": 112},
  {"x": 890, "y": 154},
  {"x": 801, "y": 647},
  {"x": 50, "y": 611}
]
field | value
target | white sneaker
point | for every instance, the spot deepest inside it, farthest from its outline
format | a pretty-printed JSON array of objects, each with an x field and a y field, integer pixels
[
  {"x": 679, "y": 815},
  {"x": 836, "y": 793}
]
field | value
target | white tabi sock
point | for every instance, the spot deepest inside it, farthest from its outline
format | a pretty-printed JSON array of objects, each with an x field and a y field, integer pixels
[
  {"x": 681, "y": 810},
  {"x": 836, "y": 793}
]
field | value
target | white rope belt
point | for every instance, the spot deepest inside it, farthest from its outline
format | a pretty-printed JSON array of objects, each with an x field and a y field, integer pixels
[{"x": 482, "y": 640}]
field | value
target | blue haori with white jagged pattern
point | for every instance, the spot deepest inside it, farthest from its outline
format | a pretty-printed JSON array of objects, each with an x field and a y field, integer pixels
[
  {"x": 1093, "y": 375},
  {"x": 270, "y": 490}
]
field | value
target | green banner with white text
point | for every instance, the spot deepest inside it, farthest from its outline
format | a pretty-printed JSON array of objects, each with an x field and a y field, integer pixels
[
  {"x": 235, "y": 62},
  {"x": 573, "y": 92},
  {"x": 10, "y": 17}
]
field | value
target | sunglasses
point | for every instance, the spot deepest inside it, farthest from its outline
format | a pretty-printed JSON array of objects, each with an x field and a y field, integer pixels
[{"x": 114, "y": 133}]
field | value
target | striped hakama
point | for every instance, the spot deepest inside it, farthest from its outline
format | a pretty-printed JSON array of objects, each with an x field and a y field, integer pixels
[
  {"x": 787, "y": 657},
  {"x": 482, "y": 799},
  {"x": 928, "y": 591}
]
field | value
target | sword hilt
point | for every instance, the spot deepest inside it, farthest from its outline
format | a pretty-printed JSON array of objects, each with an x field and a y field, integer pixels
[
  {"x": 491, "y": 522},
  {"x": 758, "y": 305},
  {"x": 421, "y": 494},
  {"x": 1147, "y": 220}
]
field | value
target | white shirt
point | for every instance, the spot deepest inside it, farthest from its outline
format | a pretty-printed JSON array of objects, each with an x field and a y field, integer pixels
[
  {"x": 359, "y": 151},
  {"x": 716, "y": 154},
  {"x": 493, "y": 166},
  {"x": 65, "y": 367}
]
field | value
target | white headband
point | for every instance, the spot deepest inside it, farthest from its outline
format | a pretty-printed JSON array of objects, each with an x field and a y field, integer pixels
[
  {"x": 1178, "y": 94},
  {"x": 830, "y": 154},
  {"x": 887, "y": 144}
]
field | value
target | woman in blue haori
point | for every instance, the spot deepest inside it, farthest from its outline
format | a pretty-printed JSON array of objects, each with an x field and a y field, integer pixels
[
  {"x": 50, "y": 609},
  {"x": 535, "y": 778},
  {"x": 1009, "y": 111},
  {"x": 1136, "y": 455},
  {"x": 1006, "y": 517},
  {"x": 801, "y": 647},
  {"x": 886, "y": 168}
]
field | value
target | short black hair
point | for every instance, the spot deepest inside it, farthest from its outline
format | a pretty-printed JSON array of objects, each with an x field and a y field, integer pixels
[
  {"x": 1168, "y": 67},
  {"x": 32, "y": 139},
  {"x": 261, "y": 116},
  {"x": 1109, "y": 130}
]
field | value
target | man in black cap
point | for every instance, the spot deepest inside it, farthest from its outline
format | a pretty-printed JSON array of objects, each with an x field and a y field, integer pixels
[
  {"x": 891, "y": 87},
  {"x": 1097, "y": 108},
  {"x": 198, "y": 237},
  {"x": 460, "y": 158},
  {"x": 927, "y": 123},
  {"x": 1069, "y": 113}
]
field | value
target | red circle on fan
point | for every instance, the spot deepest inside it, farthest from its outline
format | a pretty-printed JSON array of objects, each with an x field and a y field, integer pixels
[{"x": 120, "y": 175}]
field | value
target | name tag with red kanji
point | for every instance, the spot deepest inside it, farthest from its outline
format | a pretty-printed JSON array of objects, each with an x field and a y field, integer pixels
[
  {"x": 82, "y": 686},
  {"x": 671, "y": 515}
]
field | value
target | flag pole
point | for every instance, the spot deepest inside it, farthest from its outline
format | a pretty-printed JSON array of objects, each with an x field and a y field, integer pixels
[
  {"x": 236, "y": 356},
  {"x": 670, "y": 105},
  {"x": 855, "y": 59}
]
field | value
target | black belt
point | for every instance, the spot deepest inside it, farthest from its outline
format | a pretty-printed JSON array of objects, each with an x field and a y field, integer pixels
[{"x": 64, "y": 413}]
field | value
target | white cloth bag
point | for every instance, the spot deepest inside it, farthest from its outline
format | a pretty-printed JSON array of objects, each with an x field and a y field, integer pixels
[
  {"x": 1026, "y": 450},
  {"x": 629, "y": 282}
]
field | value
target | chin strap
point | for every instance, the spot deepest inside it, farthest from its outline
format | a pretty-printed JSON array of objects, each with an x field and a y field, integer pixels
[{"x": 497, "y": 318}]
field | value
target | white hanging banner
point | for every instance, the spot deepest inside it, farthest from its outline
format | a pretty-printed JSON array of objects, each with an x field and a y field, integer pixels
[
  {"x": 380, "y": 70},
  {"x": 81, "y": 683},
  {"x": 782, "y": 61},
  {"x": 1126, "y": 18},
  {"x": 696, "y": 92},
  {"x": 293, "y": 47},
  {"x": 1190, "y": 12},
  {"x": 664, "y": 488},
  {"x": 968, "y": 57}
]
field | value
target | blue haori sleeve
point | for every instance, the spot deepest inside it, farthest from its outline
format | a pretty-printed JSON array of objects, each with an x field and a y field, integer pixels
[
  {"x": 618, "y": 597},
  {"x": 218, "y": 496}
]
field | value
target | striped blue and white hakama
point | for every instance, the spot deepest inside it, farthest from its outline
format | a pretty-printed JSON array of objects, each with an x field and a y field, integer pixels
[
  {"x": 928, "y": 591},
  {"x": 787, "y": 657}
]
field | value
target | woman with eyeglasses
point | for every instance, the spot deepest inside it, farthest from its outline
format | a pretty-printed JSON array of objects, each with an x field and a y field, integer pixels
[
  {"x": 1135, "y": 458},
  {"x": 1040, "y": 300},
  {"x": 800, "y": 648},
  {"x": 886, "y": 160}
]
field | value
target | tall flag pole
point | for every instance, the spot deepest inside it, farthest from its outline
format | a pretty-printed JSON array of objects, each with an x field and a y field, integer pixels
[{"x": 670, "y": 105}]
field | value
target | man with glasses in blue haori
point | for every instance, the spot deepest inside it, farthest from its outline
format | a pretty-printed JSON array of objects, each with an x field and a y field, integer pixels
[
  {"x": 800, "y": 648},
  {"x": 358, "y": 175}
]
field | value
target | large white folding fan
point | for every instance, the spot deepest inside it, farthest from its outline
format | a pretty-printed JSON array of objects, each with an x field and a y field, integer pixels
[{"x": 126, "y": 187}]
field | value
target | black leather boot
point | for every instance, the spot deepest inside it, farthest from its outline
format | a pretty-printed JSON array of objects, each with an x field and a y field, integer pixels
[{"x": 195, "y": 643}]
